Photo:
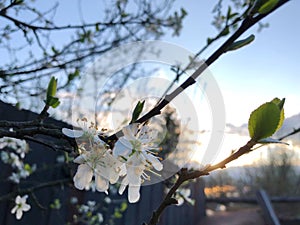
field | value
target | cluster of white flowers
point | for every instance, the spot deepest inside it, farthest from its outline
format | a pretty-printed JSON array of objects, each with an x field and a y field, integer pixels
[
  {"x": 20, "y": 146},
  {"x": 91, "y": 209},
  {"x": 15, "y": 158},
  {"x": 131, "y": 158}
]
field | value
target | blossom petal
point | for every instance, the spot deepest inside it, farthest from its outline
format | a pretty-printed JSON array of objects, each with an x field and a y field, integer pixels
[
  {"x": 72, "y": 133},
  {"x": 14, "y": 209},
  {"x": 83, "y": 176},
  {"x": 123, "y": 185},
  {"x": 134, "y": 175},
  {"x": 101, "y": 183},
  {"x": 135, "y": 168},
  {"x": 154, "y": 161},
  {"x": 133, "y": 193},
  {"x": 19, "y": 214},
  {"x": 180, "y": 201},
  {"x": 122, "y": 147},
  {"x": 18, "y": 199},
  {"x": 123, "y": 170},
  {"x": 26, "y": 207},
  {"x": 130, "y": 131},
  {"x": 113, "y": 176},
  {"x": 79, "y": 159}
]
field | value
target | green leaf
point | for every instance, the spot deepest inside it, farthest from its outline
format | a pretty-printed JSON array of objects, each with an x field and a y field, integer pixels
[
  {"x": 123, "y": 206},
  {"x": 54, "y": 50},
  {"x": 280, "y": 104},
  {"x": 263, "y": 121},
  {"x": 228, "y": 12},
  {"x": 51, "y": 91},
  {"x": 137, "y": 111},
  {"x": 209, "y": 41},
  {"x": 19, "y": 2},
  {"x": 53, "y": 102},
  {"x": 117, "y": 215},
  {"x": 73, "y": 75},
  {"x": 183, "y": 12},
  {"x": 239, "y": 44},
  {"x": 97, "y": 27},
  {"x": 267, "y": 6},
  {"x": 225, "y": 31}
]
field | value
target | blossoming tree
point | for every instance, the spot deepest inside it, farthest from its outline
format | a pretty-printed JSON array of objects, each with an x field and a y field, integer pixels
[{"x": 131, "y": 156}]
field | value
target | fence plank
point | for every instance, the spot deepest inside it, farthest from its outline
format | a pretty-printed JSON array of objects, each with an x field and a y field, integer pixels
[
  {"x": 269, "y": 213},
  {"x": 224, "y": 200}
]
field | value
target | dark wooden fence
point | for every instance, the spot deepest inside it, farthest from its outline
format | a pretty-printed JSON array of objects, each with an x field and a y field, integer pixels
[{"x": 136, "y": 213}]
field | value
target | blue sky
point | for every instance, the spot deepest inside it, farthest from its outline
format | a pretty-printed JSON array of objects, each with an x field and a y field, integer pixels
[
  {"x": 247, "y": 77},
  {"x": 267, "y": 68}
]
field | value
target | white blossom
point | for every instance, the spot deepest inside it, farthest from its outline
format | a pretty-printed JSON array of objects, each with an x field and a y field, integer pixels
[
  {"x": 100, "y": 217},
  {"x": 87, "y": 132},
  {"x": 15, "y": 177},
  {"x": 20, "y": 146},
  {"x": 4, "y": 157},
  {"x": 107, "y": 200},
  {"x": 183, "y": 194},
  {"x": 98, "y": 163},
  {"x": 136, "y": 149},
  {"x": 20, "y": 206}
]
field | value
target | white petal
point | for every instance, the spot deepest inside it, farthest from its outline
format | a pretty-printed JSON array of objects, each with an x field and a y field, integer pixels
[
  {"x": 154, "y": 161},
  {"x": 14, "y": 209},
  {"x": 180, "y": 201},
  {"x": 130, "y": 131},
  {"x": 18, "y": 199},
  {"x": 98, "y": 141},
  {"x": 135, "y": 168},
  {"x": 123, "y": 170},
  {"x": 72, "y": 133},
  {"x": 133, "y": 193},
  {"x": 26, "y": 207},
  {"x": 122, "y": 147},
  {"x": 123, "y": 185},
  {"x": 19, "y": 214},
  {"x": 114, "y": 176},
  {"x": 79, "y": 159},
  {"x": 83, "y": 176},
  {"x": 134, "y": 175},
  {"x": 101, "y": 183}
]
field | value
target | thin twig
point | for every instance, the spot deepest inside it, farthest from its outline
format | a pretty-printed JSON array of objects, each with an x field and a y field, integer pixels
[{"x": 34, "y": 188}]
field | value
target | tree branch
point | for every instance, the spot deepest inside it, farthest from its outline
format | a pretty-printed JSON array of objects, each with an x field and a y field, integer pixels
[{"x": 34, "y": 188}]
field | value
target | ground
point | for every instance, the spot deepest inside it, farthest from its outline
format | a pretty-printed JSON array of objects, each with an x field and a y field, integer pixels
[{"x": 246, "y": 216}]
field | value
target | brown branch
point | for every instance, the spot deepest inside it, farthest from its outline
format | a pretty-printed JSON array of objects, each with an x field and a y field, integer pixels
[
  {"x": 295, "y": 131},
  {"x": 186, "y": 175},
  {"x": 34, "y": 188}
]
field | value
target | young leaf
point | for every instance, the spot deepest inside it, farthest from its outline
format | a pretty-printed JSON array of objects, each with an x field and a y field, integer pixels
[
  {"x": 225, "y": 31},
  {"x": 239, "y": 44},
  {"x": 51, "y": 91},
  {"x": 73, "y": 75},
  {"x": 137, "y": 111},
  {"x": 267, "y": 6},
  {"x": 264, "y": 121},
  {"x": 53, "y": 102},
  {"x": 280, "y": 104}
]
